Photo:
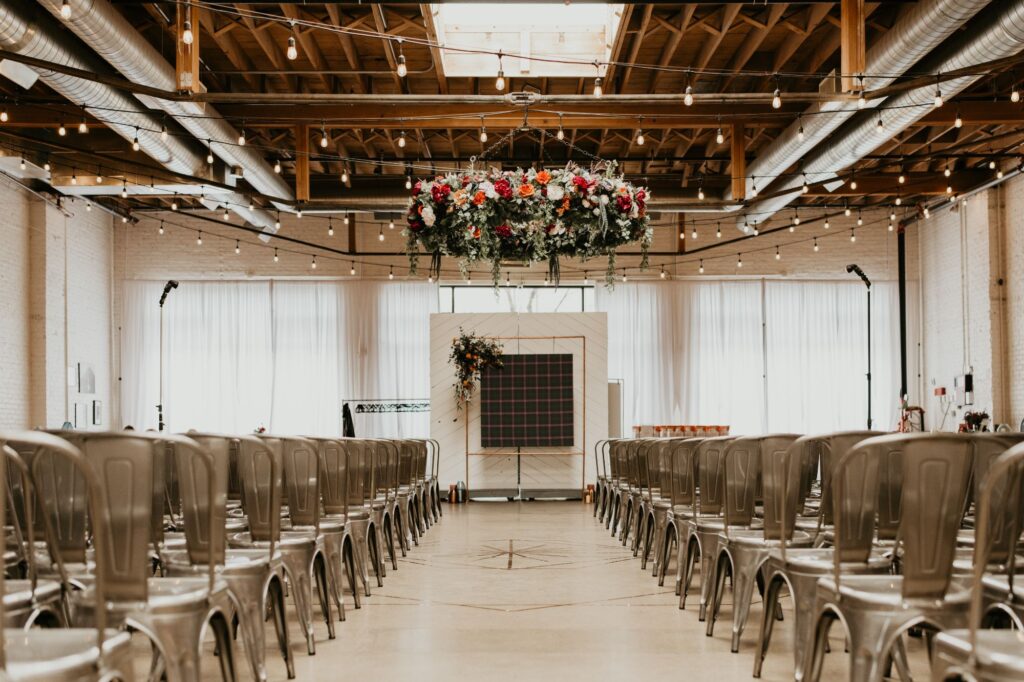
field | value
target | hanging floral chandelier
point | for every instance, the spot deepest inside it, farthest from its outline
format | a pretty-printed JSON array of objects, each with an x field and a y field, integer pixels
[{"x": 526, "y": 216}]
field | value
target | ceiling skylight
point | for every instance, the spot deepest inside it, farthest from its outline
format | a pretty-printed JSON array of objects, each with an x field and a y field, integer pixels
[{"x": 581, "y": 33}]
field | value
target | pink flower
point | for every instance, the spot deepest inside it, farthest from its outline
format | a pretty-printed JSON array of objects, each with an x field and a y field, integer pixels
[{"x": 623, "y": 203}]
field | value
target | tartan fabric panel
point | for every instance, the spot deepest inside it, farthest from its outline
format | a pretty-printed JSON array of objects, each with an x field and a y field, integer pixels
[{"x": 528, "y": 402}]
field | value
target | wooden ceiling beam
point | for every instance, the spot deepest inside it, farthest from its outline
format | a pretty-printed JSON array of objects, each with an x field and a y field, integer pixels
[
  {"x": 380, "y": 21},
  {"x": 668, "y": 52},
  {"x": 815, "y": 15},
  {"x": 711, "y": 43},
  {"x": 638, "y": 40},
  {"x": 307, "y": 41},
  {"x": 853, "y": 37},
  {"x": 435, "y": 52},
  {"x": 228, "y": 44},
  {"x": 362, "y": 84}
]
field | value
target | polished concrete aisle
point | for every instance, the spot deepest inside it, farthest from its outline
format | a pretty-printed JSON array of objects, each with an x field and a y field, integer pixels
[{"x": 530, "y": 591}]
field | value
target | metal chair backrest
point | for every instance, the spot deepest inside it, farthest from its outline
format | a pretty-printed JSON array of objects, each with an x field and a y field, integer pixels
[
  {"x": 336, "y": 473},
  {"x": 1006, "y": 509},
  {"x": 831, "y": 448},
  {"x": 405, "y": 462},
  {"x": 1007, "y": 471},
  {"x": 200, "y": 480},
  {"x": 615, "y": 448},
  {"x": 301, "y": 466},
  {"x": 683, "y": 471},
  {"x": 855, "y": 494},
  {"x": 358, "y": 461},
  {"x": 45, "y": 450},
  {"x": 259, "y": 477},
  {"x": 711, "y": 475},
  {"x": 633, "y": 461},
  {"x": 788, "y": 470},
  {"x": 771, "y": 458}
]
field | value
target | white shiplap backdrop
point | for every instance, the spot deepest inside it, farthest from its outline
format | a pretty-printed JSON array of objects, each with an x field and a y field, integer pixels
[{"x": 497, "y": 470}]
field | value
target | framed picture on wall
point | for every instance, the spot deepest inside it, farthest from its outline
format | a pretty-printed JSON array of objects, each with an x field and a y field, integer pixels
[
  {"x": 97, "y": 412},
  {"x": 81, "y": 416},
  {"x": 86, "y": 378}
]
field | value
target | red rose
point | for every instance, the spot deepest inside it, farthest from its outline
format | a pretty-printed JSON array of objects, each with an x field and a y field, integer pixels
[
  {"x": 581, "y": 183},
  {"x": 503, "y": 188},
  {"x": 641, "y": 198},
  {"x": 439, "y": 193},
  {"x": 623, "y": 203},
  {"x": 418, "y": 187},
  {"x": 503, "y": 230}
]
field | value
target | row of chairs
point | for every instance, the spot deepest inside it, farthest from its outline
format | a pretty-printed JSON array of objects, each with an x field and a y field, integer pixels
[
  {"x": 174, "y": 535},
  {"x": 884, "y": 533}
]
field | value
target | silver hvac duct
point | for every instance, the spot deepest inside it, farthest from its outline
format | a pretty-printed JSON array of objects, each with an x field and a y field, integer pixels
[
  {"x": 20, "y": 32},
  {"x": 107, "y": 32},
  {"x": 913, "y": 36},
  {"x": 999, "y": 35}
]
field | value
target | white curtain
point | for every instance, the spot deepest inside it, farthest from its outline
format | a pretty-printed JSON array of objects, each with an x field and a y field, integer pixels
[
  {"x": 756, "y": 355},
  {"x": 282, "y": 355}
]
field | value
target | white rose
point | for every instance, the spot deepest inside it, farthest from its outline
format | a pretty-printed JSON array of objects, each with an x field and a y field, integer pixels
[
  {"x": 604, "y": 199},
  {"x": 555, "y": 192},
  {"x": 428, "y": 216},
  {"x": 586, "y": 203},
  {"x": 487, "y": 187}
]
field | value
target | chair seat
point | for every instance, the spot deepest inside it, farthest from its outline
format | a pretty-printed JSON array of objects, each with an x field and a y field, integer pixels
[
  {"x": 234, "y": 559},
  {"x": 18, "y": 593},
  {"x": 887, "y": 590},
  {"x": 59, "y": 654},
  {"x": 289, "y": 538},
  {"x": 683, "y": 511},
  {"x": 820, "y": 560},
  {"x": 753, "y": 537},
  {"x": 997, "y": 652},
  {"x": 165, "y": 594}
]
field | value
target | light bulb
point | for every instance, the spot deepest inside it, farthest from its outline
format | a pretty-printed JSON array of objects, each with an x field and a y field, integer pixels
[
  {"x": 330, "y": 227},
  {"x": 598, "y": 90},
  {"x": 739, "y": 261},
  {"x": 483, "y": 134},
  {"x": 701, "y": 268},
  {"x": 293, "y": 51},
  {"x": 402, "y": 70},
  {"x": 815, "y": 245},
  {"x": 586, "y": 278},
  {"x": 391, "y": 273},
  {"x": 753, "y": 188},
  {"x": 83, "y": 128},
  {"x": 430, "y": 279},
  {"x": 251, "y": 205},
  {"x": 806, "y": 188},
  {"x": 241, "y": 138},
  {"x": 999, "y": 173},
  {"x": 776, "y": 99},
  {"x": 46, "y": 166},
  {"x": 408, "y": 182},
  {"x": 891, "y": 226},
  {"x": 899, "y": 201},
  {"x": 163, "y": 133},
  {"x": 663, "y": 274},
  {"x": 298, "y": 213},
  {"x": 74, "y": 178},
  {"x": 391, "y": 224},
  {"x": 693, "y": 234},
  {"x": 958, "y": 122},
  {"x": 161, "y": 230},
  {"x": 719, "y": 137},
  {"x": 174, "y": 203},
  {"x": 227, "y": 214},
  {"x": 827, "y": 224},
  {"x": 560, "y": 134},
  {"x": 947, "y": 172},
  {"x": 313, "y": 264},
  {"x": 277, "y": 222},
  {"x": 847, "y": 211},
  {"x": 345, "y": 220},
  {"x": 700, "y": 194},
  {"x": 853, "y": 236},
  {"x": 640, "y": 138},
  {"x": 938, "y": 97},
  {"x": 380, "y": 236},
  {"x": 401, "y": 140},
  {"x": 949, "y": 189},
  {"x": 344, "y": 176},
  {"x": 187, "y": 36},
  {"x": 796, "y": 219},
  {"x": 892, "y": 214},
  {"x": 277, "y": 167},
  {"x": 499, "y": 82},
  {"x": 992, "y": 165},
  {"x": 209, "y": 156},
  {"x": 860, "y": 219},
  {"x": 124, "y": 219},
  {"x": 853, "y": 183},
  {"x": 323, "y": 138},
  {"x": 62, "y": 131},
  {"x": 3, "y": 116},
  {"x": 718, "y": 231},
  {"x": 135, "y": 142},
  {"x": 778, "y": 255},
  {"x": 352, "y": 269},
  {"x": 65, "y": 9},
  {"x": 902, "y": 178},
  {"x": 688, "y": 97},
  {"x": 199, "y": 239},
  {"x": 275, "y": 256},
  {"x": 880, "y": 126},
  {"x": 624, "y": 278},
  {"x": 927, "y": 213},
  {"x": 238, "y": 248},
  {"x": 124, "y": 190},
  {"x": 22, "y": 163},
  {"x": 1014, "y": 95},
  {"x": 800, "y": 133}
]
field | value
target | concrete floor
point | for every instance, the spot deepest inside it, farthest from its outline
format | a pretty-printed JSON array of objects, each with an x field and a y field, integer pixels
[{"x": 530, "y": 591}]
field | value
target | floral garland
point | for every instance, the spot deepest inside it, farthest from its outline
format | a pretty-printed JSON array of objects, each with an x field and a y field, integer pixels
[
  {"x": 527, "y": 216},
  {"x": 471, "y": 354}
]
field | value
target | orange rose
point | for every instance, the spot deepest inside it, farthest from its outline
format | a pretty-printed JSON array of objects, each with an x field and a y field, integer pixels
[
  {"x": 526, "y": 190},
  {"x": 460, "y": 197},
  {"x": 479, "y": 197},
  {"x": 543, "y": 177}
]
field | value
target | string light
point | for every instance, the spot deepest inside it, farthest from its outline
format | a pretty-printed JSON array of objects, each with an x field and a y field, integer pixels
[
  {"x": 135, "y": 141},
  {"x": 598, "y": 90},
  {"x": 891, "y": 226},
  {"x": 624, "y": 278},
  {"x": 209, "y": 152},
  {"x": 827, "y": 224},
  {"x": 958, "y": 122},
  {"x": 124, "y": 189},
  {"x": 739, "y": 260},
  {"x": 700, "y": 269},
  {"x": 899, "y": 200},
  {"x": 199, "y": 238},
  {"x": 861, "y": 100},
  {"x": 352, "y": 268},
  {"x": 1014, "y": 94},
  {"x": 22, "y": 163},
  {"x": 344, "y": 176},
  {"x": 88, "y": 207},
  {"x": 174, "y": 202},
  {"x": 778, "y": 254},
  {"x": 277, "y": 221},
  {"x": 800, "y": 130},
  {"x": 927, "y": 213},
  {"x": 753, "y": 186},
  {"x": 46, "y": 166},
  {"x": 83, "y": 128},
  {"x": 902, "y": 179},
  {"x": 663, "y": 274},
  {"x": 719, "y": 137},
  {"x": 483, "y": 130},
  {"x": 275, "y": 255},
  {"x": 880, "y": 126},
  {"x": 163, "y": 132},
  {"x": 238, "y": 247},
  {"x": 499, "y": 82},
  {"x": 401, "y": 140},
  {"x": 62, "y": 131},
  {"x": 815, "y": 245},
  {"x": 776, "y": 99},
  {"x": 391, "y": 224},
  {"x": 401, "y": 70},
  {"x": 4, "y": 117},
  {"x": 345, "y": 220},
  {"x": 688, "y": 96},
  {"x": 323, "y": 136},
  {"x": 700, "y": 192},
  {"x": 241, "y": 136},
  {"x": 561, "y": 133},
  {"x": 999, "y": 173},
  {"x": 408, "y": 182},
  {"x": 640, "y": 138},
  {"x": 992, "y": 164},
  {"x": 277, "y": 166},
  {"x": 313, "y": 264},
  {"x": 693, "y": 233},
  {"x": 718, "y": 231},
  {"x": 949, "y": 189},
  {"x": 227, "y": 214},
  {"x": 293, "y": 50},
  {"x": 124, "y": 219},
  {"x": 430, "y": 279},
  {"x": 74, "y": 178},
  {"x": 298, "y": 212},
  {"x": 806, "y": 188},
  {"x": 391, "y": 272},
  {"x": 947, "y": 172},
  {"x": 251, "y": 205},
  {"x": 796, "y": 217},
  {"x": 330, "y": 227},
  {"x": 846, "y": 211},
  {"x": 853, "y": 235},
  {"x": 938, "y": 96},
  {"x": 65, "y": 9},
  {"x": 380, "y": 235},
  {"x": 860, "y": 218},
  {"x": 892, "y": 213},
  {"x": 187, "y": 36},
  {"x": 586, "y": 278},
  {"x": 853, "y": 181}
]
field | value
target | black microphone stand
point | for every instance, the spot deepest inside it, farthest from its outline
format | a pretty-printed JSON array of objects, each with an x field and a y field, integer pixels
[
  {"x": 171, "y": 284},
  {"x": 867, "y": 283}
]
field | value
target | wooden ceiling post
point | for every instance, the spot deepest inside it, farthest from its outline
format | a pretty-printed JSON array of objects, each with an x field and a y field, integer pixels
[
  {"x": 739, "y": 162},
  {"x": 302, "y": 163},
  {"x": 852, "y": 39},
  {"x": 186, "y": 65}
]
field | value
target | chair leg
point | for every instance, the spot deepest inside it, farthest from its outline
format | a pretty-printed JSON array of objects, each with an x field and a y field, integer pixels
[
  {"x": 375, "y": 555},
  {"x": 693, "y": 553},
  {"x": 764, "y": 637},
  {"x": 815, "y": 656},
  {"x": 298, "y": 569},
  {"x": 413, "y": 522},
  {"x": 351, "y": 569},
  {"x": 320, "y": 569},
  {"x": 221, "y": 630},
  {"x": 399, "y": 524},
  {"x": 666, "y": 552},
  {"x": 275, "y": 592},
  {"x": 723, "y": 568},
  {"x": 389, "y": 535}
]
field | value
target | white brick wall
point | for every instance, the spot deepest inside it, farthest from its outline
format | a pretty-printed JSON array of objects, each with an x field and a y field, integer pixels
[
  {"x": 55, "y": 289},
  {"x": 1012, "y": 292}
]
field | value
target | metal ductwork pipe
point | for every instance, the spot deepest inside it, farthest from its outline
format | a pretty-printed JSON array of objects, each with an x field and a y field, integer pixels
[
  {"x": 999, "y": 34},
  {"x": 916, "y": 34},
  {"x": 107, "y": 32},
  {"x": 21, "y": 33}
]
